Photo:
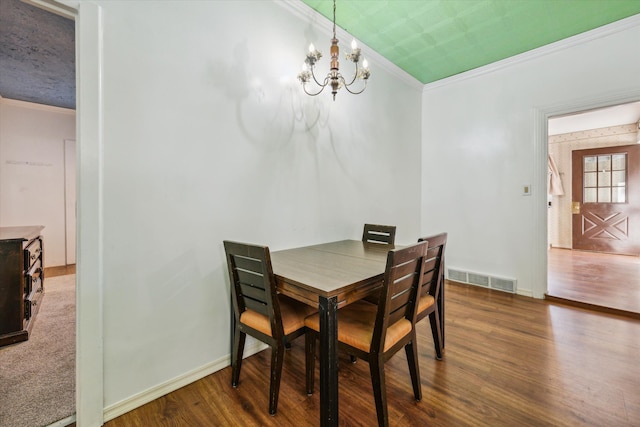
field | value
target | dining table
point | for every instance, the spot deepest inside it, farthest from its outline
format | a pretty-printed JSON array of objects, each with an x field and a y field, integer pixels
[{"x": 330, "y": 276}]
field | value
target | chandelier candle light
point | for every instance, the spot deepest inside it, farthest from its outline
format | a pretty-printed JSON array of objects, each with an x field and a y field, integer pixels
[{"x": 333, "y": 78}]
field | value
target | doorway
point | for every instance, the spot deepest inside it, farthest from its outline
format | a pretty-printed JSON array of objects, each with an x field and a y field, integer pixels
[
  {"x": 593, "y": 278},
  {"x": 41, "y": 134}
]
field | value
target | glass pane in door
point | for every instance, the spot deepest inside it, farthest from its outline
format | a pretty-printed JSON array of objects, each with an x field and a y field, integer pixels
[
  {"x": 604, "y": 195},
  {"x": 619, "y": 162},
  {"x": 590, "y": 163},
  {"x": 604, "y": 163}
]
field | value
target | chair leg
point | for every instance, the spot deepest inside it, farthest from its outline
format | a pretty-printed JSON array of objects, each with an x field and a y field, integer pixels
[
  {"x": 376, "y": 366},
  {"x": 353, "y": 358},
  {"x": 277, "y": 356},
  {"x": 434, "y": 319},
  {"x": 236, "y": 358},
  {"x": 411, "y": 349},
  {"x": 310, "y": 359}
]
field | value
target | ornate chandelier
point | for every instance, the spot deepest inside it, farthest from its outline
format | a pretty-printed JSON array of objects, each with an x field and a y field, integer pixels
[{"x": 333, "y": 78}]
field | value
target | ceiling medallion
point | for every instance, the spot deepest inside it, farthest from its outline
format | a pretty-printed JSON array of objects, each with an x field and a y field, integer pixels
[{"x": 333, "y": 78}]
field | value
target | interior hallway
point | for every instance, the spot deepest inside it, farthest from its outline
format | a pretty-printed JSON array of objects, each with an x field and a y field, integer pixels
[{"x": 601, "y": 281}]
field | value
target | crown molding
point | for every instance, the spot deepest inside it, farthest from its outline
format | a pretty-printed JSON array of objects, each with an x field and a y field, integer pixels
[
  {"x": 57, "y": 7},
  {"x": 34, "y": 106},
  {"x": 597, "y": 33},
  {"x": 308, "y": 14}
]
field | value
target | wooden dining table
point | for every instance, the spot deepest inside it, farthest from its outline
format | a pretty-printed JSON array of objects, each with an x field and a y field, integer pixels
[{"x": 330, "y": 276}]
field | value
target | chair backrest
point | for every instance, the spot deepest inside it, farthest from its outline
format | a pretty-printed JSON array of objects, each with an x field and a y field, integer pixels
[
  {"x": 375, "y": 233},
  {"x": 253, "y": 283},
  {"x": 400, "y": 289},
  {"x": 434, "y": 264}
]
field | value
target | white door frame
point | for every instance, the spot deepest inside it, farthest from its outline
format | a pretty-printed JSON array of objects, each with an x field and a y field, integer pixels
[
  {"x": 89, "y": 266},
  {"x": 541, "y": 117},
  {"x": 89, "y": 196}
]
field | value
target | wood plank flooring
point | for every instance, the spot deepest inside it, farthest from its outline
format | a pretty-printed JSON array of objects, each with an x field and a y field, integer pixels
[
  {"x": 61, "y": 270},
  {"x": 509, "y": 361},
  {"x": 596, "y": 280}
]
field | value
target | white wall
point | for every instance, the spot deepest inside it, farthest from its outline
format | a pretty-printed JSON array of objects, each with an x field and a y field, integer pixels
[
  {"x": 203, "y": 134},
  {"x": 32, "y": 175},
  {"x": 482, "y": 141}
]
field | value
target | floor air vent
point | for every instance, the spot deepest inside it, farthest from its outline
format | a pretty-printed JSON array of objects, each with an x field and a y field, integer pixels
[
  {"x": 507, "y": 285},
  {"x": 501, "y": 284},
  {"x": 458, "y": 276},
  {"x": 478, "y": 279}
]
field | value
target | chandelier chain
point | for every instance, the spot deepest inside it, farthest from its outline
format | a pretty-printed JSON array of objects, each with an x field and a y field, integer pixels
[
  {"x": 334, "y": 78},
  {"x": 334, "y": 19}
]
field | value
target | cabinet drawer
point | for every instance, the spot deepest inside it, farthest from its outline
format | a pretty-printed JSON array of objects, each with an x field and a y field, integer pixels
[
  {"x": 32, "y": 301},
  {"x": 33, "y": 278},
  {"x": 32, "y": 253},
  {"x": 27, "y": 309}
]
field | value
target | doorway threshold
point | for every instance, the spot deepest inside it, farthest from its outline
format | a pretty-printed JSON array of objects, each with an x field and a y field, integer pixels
[{"x": 592, "y": 307}]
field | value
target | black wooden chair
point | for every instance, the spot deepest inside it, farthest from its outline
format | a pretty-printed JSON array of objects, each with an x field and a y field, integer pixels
[
  {"x": 384, "y": 234},
  {"x": 260, "y": 312},
  {"x": 376, "y": 332},
  {"x": 432, "y": 287}
]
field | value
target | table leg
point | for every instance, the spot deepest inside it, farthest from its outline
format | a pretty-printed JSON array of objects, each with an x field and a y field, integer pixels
[{"x": 328, "y": 311}]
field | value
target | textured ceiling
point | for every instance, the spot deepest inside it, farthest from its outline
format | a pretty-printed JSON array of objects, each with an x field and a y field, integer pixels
[
  {"x": 434, "y": 39},
  {"x": 37, "y": 55},
  {"x": 429, "y": 39}
]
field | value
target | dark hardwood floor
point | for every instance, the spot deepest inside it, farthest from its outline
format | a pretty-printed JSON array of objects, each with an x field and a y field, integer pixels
[
  {"x": 509, "y": 361},
  {"x": 595, "y": 280}
]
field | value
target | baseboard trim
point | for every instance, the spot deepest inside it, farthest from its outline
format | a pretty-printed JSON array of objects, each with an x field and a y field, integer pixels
[
  {"x": 525, "y": 292},
  {"x": 144, "y": 397},
  {"x": 64, "y": 422},
  {"x": 59, "y": 270}
]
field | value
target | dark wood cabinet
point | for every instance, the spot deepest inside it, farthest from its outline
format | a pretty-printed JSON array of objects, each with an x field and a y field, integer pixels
[{"x": 21, "y": 281}]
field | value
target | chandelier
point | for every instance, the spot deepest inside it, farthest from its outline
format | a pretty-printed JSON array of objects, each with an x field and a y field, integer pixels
[{"x": 333, "y": 78}]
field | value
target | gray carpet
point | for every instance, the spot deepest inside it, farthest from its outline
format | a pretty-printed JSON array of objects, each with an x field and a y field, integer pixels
[{"x": 37, "y": 377}]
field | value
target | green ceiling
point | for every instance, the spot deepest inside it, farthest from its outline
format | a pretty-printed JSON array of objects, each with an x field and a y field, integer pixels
[{"x": 434, "y": 39}]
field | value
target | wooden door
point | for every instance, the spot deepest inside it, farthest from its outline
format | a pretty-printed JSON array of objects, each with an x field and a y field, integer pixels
[{"x": 606, "y": 199}]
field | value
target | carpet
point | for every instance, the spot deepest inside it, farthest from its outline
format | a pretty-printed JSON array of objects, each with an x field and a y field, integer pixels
[{"x": 37, "y": 376}]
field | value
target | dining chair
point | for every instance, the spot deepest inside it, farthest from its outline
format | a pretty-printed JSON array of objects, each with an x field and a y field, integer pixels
[
  {"x": 383, "y": 234},
  {"x": 379, "y": 234},
  {"x": 431, "y": 289},
  {"x": 376, "y": 332},
  {"x": 259, "y": 311}
]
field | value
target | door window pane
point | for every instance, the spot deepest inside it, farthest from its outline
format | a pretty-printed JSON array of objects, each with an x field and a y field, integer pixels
[
  {"x": 604, "y": 163},
  {"x": 619, "y": 162},
  {"x": 590, "y": 179},
  {"x": 604, "y": 195},
  {"x": 618, "y": 195},
  {"x": 605, "y": 178},
  {"x": 590, "y": 164},
  {"x": 590, "y": 195},
  {"x": 618, "y": 178}
]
